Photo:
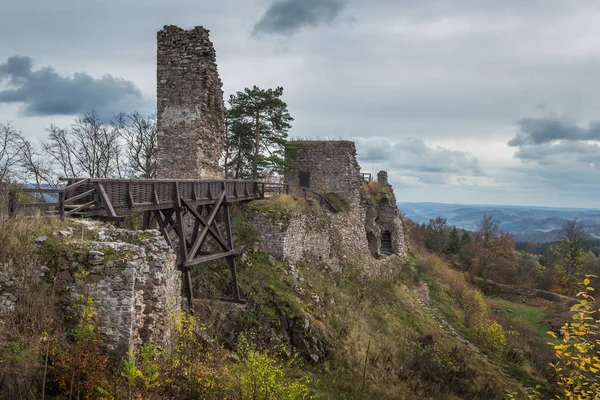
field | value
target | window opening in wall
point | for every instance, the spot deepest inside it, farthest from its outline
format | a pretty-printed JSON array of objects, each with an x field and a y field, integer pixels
[
  {"x": 304, "y": 179},
  {"x": 386, "y": 242}
]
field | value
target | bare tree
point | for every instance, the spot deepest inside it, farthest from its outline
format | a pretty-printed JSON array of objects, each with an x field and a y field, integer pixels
[
  {"x": 573, "y": 231},
  {"x": 88, "y": 148},
  {"x": 11, "y": 143},
  {"x": 139, "y": 135},
  {"x": 36, "y": 168},
  {"x": 488, "y": 229},
  {"x": 60, "y": 148}
]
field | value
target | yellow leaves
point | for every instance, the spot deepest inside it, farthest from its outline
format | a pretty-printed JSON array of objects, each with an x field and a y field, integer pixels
[{"x": 578, "y": 361}]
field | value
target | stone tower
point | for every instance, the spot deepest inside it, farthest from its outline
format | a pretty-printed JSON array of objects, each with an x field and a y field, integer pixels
[
  {"x": 190, "y": 109},
  {"x": 325, "y": 166}
]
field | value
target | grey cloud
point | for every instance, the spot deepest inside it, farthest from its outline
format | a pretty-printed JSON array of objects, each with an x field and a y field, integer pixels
[
  {"x": 45, "y": 92},
  {"x": 534, "y": 131},
  {"x": 558, "y": 157},
  {"x": 429, "y": 164},
  {"x": 414, "y": 152},
  {"x": 287, "y": 17},
  {"x": 433, "y": 179},
  {"x": 560, "y": 150}
]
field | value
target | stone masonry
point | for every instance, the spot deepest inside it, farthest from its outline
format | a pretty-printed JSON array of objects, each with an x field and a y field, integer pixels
[
  {"x": 190, "y": 109},
  {"x": 331, "y": 166},
  {"x": 383, "y": 217},
  {"x": 133, "y": 282}
]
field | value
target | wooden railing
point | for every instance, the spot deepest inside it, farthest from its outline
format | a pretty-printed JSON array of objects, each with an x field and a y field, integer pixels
[
  {"x": 106, "y": 198},
  {"x": 366, "y": 176}
]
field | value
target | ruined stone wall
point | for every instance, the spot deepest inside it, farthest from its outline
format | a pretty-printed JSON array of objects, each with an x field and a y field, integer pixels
[
  {"x": 190, "y": 109},
  {"x": 327, "y": 239},
  {"x": 382, "y": 214},
  {"x": 295, "y": 239},
  {"x": 332, "y": 166},
  {"x": 133, "y": 285},
  {"x": 355, "y": 231}
]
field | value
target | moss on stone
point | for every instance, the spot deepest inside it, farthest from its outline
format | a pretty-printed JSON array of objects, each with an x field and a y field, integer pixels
[
  {"x": 373, "y": 192},
  {"x": 337, "y": 201},
  {"x": 281, "y": 208}
]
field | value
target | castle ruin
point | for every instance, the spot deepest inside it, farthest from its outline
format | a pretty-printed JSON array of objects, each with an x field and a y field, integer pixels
[
  {"x": 369, "y": 225},
  {"x": 190, "y": 109}
]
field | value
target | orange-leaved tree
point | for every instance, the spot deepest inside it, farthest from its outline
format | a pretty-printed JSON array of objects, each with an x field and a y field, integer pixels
[{"x": 493, "y": 250}]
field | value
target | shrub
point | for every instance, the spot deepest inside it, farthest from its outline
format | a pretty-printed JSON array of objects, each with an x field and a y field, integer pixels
[
  {"x": 485, "y": 330},
  {"x": 259, "y": 376},
  {"x": 489, "y": 334},
  {"x": 79, "y": 363},
  {"x": 578, "y": 353}
]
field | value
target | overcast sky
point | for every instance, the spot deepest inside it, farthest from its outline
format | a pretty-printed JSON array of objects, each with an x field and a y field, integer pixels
[{"x": 465, "y": 101}]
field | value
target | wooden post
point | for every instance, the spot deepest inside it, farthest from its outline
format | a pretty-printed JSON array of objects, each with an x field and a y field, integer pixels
[
  {"x": 146, "y": 220},
  {"x": 12, "y": 204},
  {"x": 230, "y": 259},
  {"x": 61, "y": 205},
  {"x": 183, "y": 251}
]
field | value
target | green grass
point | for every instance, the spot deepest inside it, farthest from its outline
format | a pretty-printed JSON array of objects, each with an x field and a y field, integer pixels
[
  {"x": 281, "y": 207},
  {"x": 535, "y": 316}
]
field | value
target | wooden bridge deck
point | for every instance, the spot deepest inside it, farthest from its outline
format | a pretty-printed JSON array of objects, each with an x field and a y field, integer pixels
[
  {"x": 173, "y": 206},
  {"x": 111, "y": 197}
]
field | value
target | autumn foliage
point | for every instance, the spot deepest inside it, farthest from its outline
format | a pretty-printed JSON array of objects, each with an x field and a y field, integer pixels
[{"x": 578, "y": 353}]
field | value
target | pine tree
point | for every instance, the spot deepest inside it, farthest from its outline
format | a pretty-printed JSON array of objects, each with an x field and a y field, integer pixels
[
  {"x": 257, "y": 125},
  {"x": 454, "y": 242}
]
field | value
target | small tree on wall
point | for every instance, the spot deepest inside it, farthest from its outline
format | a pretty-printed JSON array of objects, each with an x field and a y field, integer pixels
[{"x": 258, "y": 122}]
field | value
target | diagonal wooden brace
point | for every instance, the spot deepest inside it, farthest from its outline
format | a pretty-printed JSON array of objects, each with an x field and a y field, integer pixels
[{"x": 200, "y": 239}]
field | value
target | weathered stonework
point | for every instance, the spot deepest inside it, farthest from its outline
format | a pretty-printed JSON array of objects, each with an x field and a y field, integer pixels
[
  {"x": 383, "y": 216},
  {"x": 190, "y": 109},
  {"x": 360, "y": 231},
  {"x": 332, "y": 167},
  {"x": 12, "y": 281},
  {"x": 133, "y": 286}
]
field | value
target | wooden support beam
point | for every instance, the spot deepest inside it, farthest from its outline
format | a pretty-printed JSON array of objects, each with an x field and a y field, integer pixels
[
  {"x": 105, "y": 201},
  {"x": 230, "y": 259},
  {"x": 76, "y": 184},
  {"x": 200, "y": 239},
  {"x": 154, "y": 194},
  {"x": 147, "y": 220},
  {"x": 77, "y": 197},
  {"x": 61, "y": 205},
  {"x": 211, "y": 257},
  {"x": 80, "y": 207},
  {"x": 196, "y": 212},
  {"x": 199, "y": 219},
  {"x": 162, "y": 228},
  {"x": 130, "y": 196}
]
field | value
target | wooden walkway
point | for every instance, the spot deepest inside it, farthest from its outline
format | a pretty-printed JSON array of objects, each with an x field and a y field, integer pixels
[{"x": 185, "y": 211}]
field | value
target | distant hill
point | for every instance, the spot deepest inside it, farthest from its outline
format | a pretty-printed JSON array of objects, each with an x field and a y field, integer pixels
[{"x": 539, "y": 224}]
